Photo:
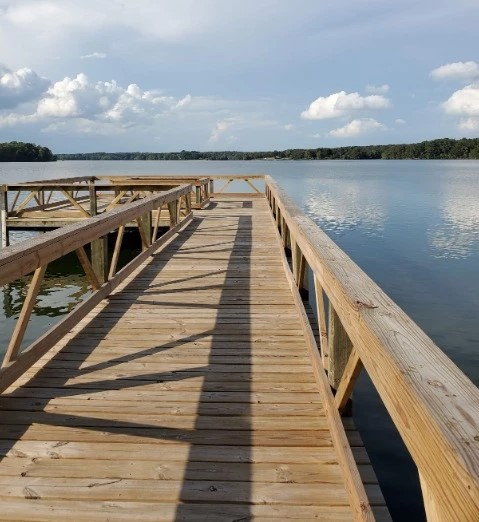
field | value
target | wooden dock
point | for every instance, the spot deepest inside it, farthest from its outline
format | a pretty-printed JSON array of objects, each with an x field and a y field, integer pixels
[{"x": 190, "y": 385}]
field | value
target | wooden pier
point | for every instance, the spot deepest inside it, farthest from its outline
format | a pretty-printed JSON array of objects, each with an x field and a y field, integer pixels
[{"x": 192, "y": 383}]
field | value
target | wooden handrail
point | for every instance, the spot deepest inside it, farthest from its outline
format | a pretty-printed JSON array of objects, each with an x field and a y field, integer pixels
[
  {"x": 434, "y": 406},
  {"x": 25, "y": 257}
]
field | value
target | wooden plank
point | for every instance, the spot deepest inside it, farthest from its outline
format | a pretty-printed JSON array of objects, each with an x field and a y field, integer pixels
[
  {"x": 340, "y": 348},
  {"x": 323, "y": 332},
  {"x": 351, "y": 373},
  {"x": 3, "y": 216},
  {"x": 27, "y": 256},
  {"x": 88, "y": 269},
  {"x": 190, "y": 389},
  {"x": 409, "y": 371},
  {"x": 75, "y": 203},
  {"x": 22, "y": 321},
  {"x": 360, "y": 504},
  {"x": 26, "y": 359}
]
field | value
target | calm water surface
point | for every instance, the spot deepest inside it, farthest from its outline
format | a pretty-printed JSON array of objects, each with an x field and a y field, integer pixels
[{"x": 413, "y": 226}]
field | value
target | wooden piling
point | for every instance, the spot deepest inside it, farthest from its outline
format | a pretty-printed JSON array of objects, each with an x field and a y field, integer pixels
[
  {"x": 99, "y": 247},
  {"x": 3, "y": 216}
]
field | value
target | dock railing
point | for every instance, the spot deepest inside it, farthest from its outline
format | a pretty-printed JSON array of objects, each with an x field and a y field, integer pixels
[
  {"x": 434, "y": 406},
  {"x": 34, "y": 255}
]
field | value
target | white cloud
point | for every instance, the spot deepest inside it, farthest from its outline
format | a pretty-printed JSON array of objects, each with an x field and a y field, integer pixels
[
  {"x": 108, "y": 101},
  {"x": 400, "y": 121},
  {"x": 456, "y": 71},
  {"x": 98, "y": 56},
  {"x": 92, "y": 105},
  {"x": 219, "y": 129},
  {"x": 357, "y": 127},
  {"x": 465, "y": 103},
  {"x": 469, "y": 124},
  {"x": 378, "y": 89},
  {"x": 184, "y": 102},
  {"x": 20, "y": 86},
  {"x": 288, "y": 127},
  {"x": 343, "y": 104}
]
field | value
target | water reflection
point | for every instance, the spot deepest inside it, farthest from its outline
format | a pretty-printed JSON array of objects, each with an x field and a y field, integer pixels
[
  {"x": 456, "y": 236},
  {"x": 58, "y": 296},
  {"x": 338, "y": 208}
]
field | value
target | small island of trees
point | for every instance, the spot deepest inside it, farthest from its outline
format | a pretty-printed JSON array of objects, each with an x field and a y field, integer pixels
[{"x": 19, "y": 151}]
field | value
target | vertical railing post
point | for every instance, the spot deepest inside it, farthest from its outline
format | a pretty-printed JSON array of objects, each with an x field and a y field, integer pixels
[
  {"x": 99, "y": 247},
  {"x": 198, "y": 195},
  {"x": 3, "y": 215},
  {"x": 173, "y": 211},
  {"x": 340, "y": 348},
  {"x": 212, "y": 186}
]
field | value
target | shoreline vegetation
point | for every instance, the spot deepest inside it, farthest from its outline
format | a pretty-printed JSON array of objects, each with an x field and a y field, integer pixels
[
  {"x": 434, "y": 149},
  {"x": 445, "y": 148},
  {"x": 19, "y": 151}
]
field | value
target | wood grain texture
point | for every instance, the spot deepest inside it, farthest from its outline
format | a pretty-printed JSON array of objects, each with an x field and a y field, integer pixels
[
  {"x": 188, "y": 395},
  {"x": 432, "y": 403}
]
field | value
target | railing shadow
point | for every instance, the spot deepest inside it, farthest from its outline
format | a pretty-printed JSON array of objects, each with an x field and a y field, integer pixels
[{"x": 29, "y": 405}]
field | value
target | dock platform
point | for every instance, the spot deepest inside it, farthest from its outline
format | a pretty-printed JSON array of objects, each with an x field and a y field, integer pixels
[{"x": 191, "y": 387}]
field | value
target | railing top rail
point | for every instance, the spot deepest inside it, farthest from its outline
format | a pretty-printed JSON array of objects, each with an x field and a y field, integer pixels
[
  {"x": 431, "y": 401},
  {"x": 154, "y": 177},
  {"x": 237, "y": 176},
  {"x": 72, "y": 179},
  {"x": 22, "y": 258},
  {"x": 140, "y": 185}
]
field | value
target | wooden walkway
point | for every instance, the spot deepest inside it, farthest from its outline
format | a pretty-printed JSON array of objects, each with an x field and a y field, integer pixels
[{"x": 188, "y": 395}]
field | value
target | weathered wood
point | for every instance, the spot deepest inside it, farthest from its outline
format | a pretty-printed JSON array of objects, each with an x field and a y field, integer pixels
[
  {"x": 10, "y": 373},
  {"x": 99, "y": 246},
  {"x": 144, "y": 228},
  {"x": 3, "y": 216},
  {"x": 75, "y": 203},
  {"x": 21, "y": 259},
  {"x": 299, "y": 265},
  {"x": 87, "y": 267},
  {"x": 410, "y": 373},
  {"x": 148, "y": 404},
  {"x": 357, "y": 495},
  {"x": 351, "y": 373},
  {"x": 225, "y": 186},
  {"x": 323, "y": 332},
  {"x": 117, "y": 199},
  {"x": 173, "y": 211},
  {"x": 99, "y": 258},
  {"x": 432, "y": 506},
  {"x": 26, "y": 201},
  {"x": 116, "y": 251},
  {"x": 252, "y": 186},
  {"x": 340, "y": 347},
  {"x": 24, "y": 317}
]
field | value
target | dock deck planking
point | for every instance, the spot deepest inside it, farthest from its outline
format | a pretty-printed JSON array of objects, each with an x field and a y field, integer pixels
[{"x": 187, "y": 395}]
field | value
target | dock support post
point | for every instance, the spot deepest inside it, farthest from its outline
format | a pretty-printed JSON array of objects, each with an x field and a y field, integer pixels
[
  {"x": 340, "y": 348},
  {"x": 3, "y": 215},
  {"x": 144, "y": 228},
  {"x": 212, "y": 186},
  {"x": 198, "y": 196},
  {"x": 99, "y": 247}
]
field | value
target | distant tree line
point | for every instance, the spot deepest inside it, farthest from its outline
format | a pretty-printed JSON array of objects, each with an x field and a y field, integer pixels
[
  {"x": 434, "y": 149},
  {"x": 18, "y": 151}
]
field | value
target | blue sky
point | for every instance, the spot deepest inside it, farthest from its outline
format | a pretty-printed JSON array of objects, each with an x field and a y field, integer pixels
[{"x": 245, "y": 75}]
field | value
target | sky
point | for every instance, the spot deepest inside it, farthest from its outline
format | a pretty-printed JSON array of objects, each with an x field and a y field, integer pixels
[{"x": 170, "y": 75}]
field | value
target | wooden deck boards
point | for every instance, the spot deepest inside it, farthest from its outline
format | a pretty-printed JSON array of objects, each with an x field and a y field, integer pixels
[{"x": 187, "y": 395}]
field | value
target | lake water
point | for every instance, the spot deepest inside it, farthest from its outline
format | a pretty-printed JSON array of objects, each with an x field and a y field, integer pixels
[{"x": 413, "y": 226}]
